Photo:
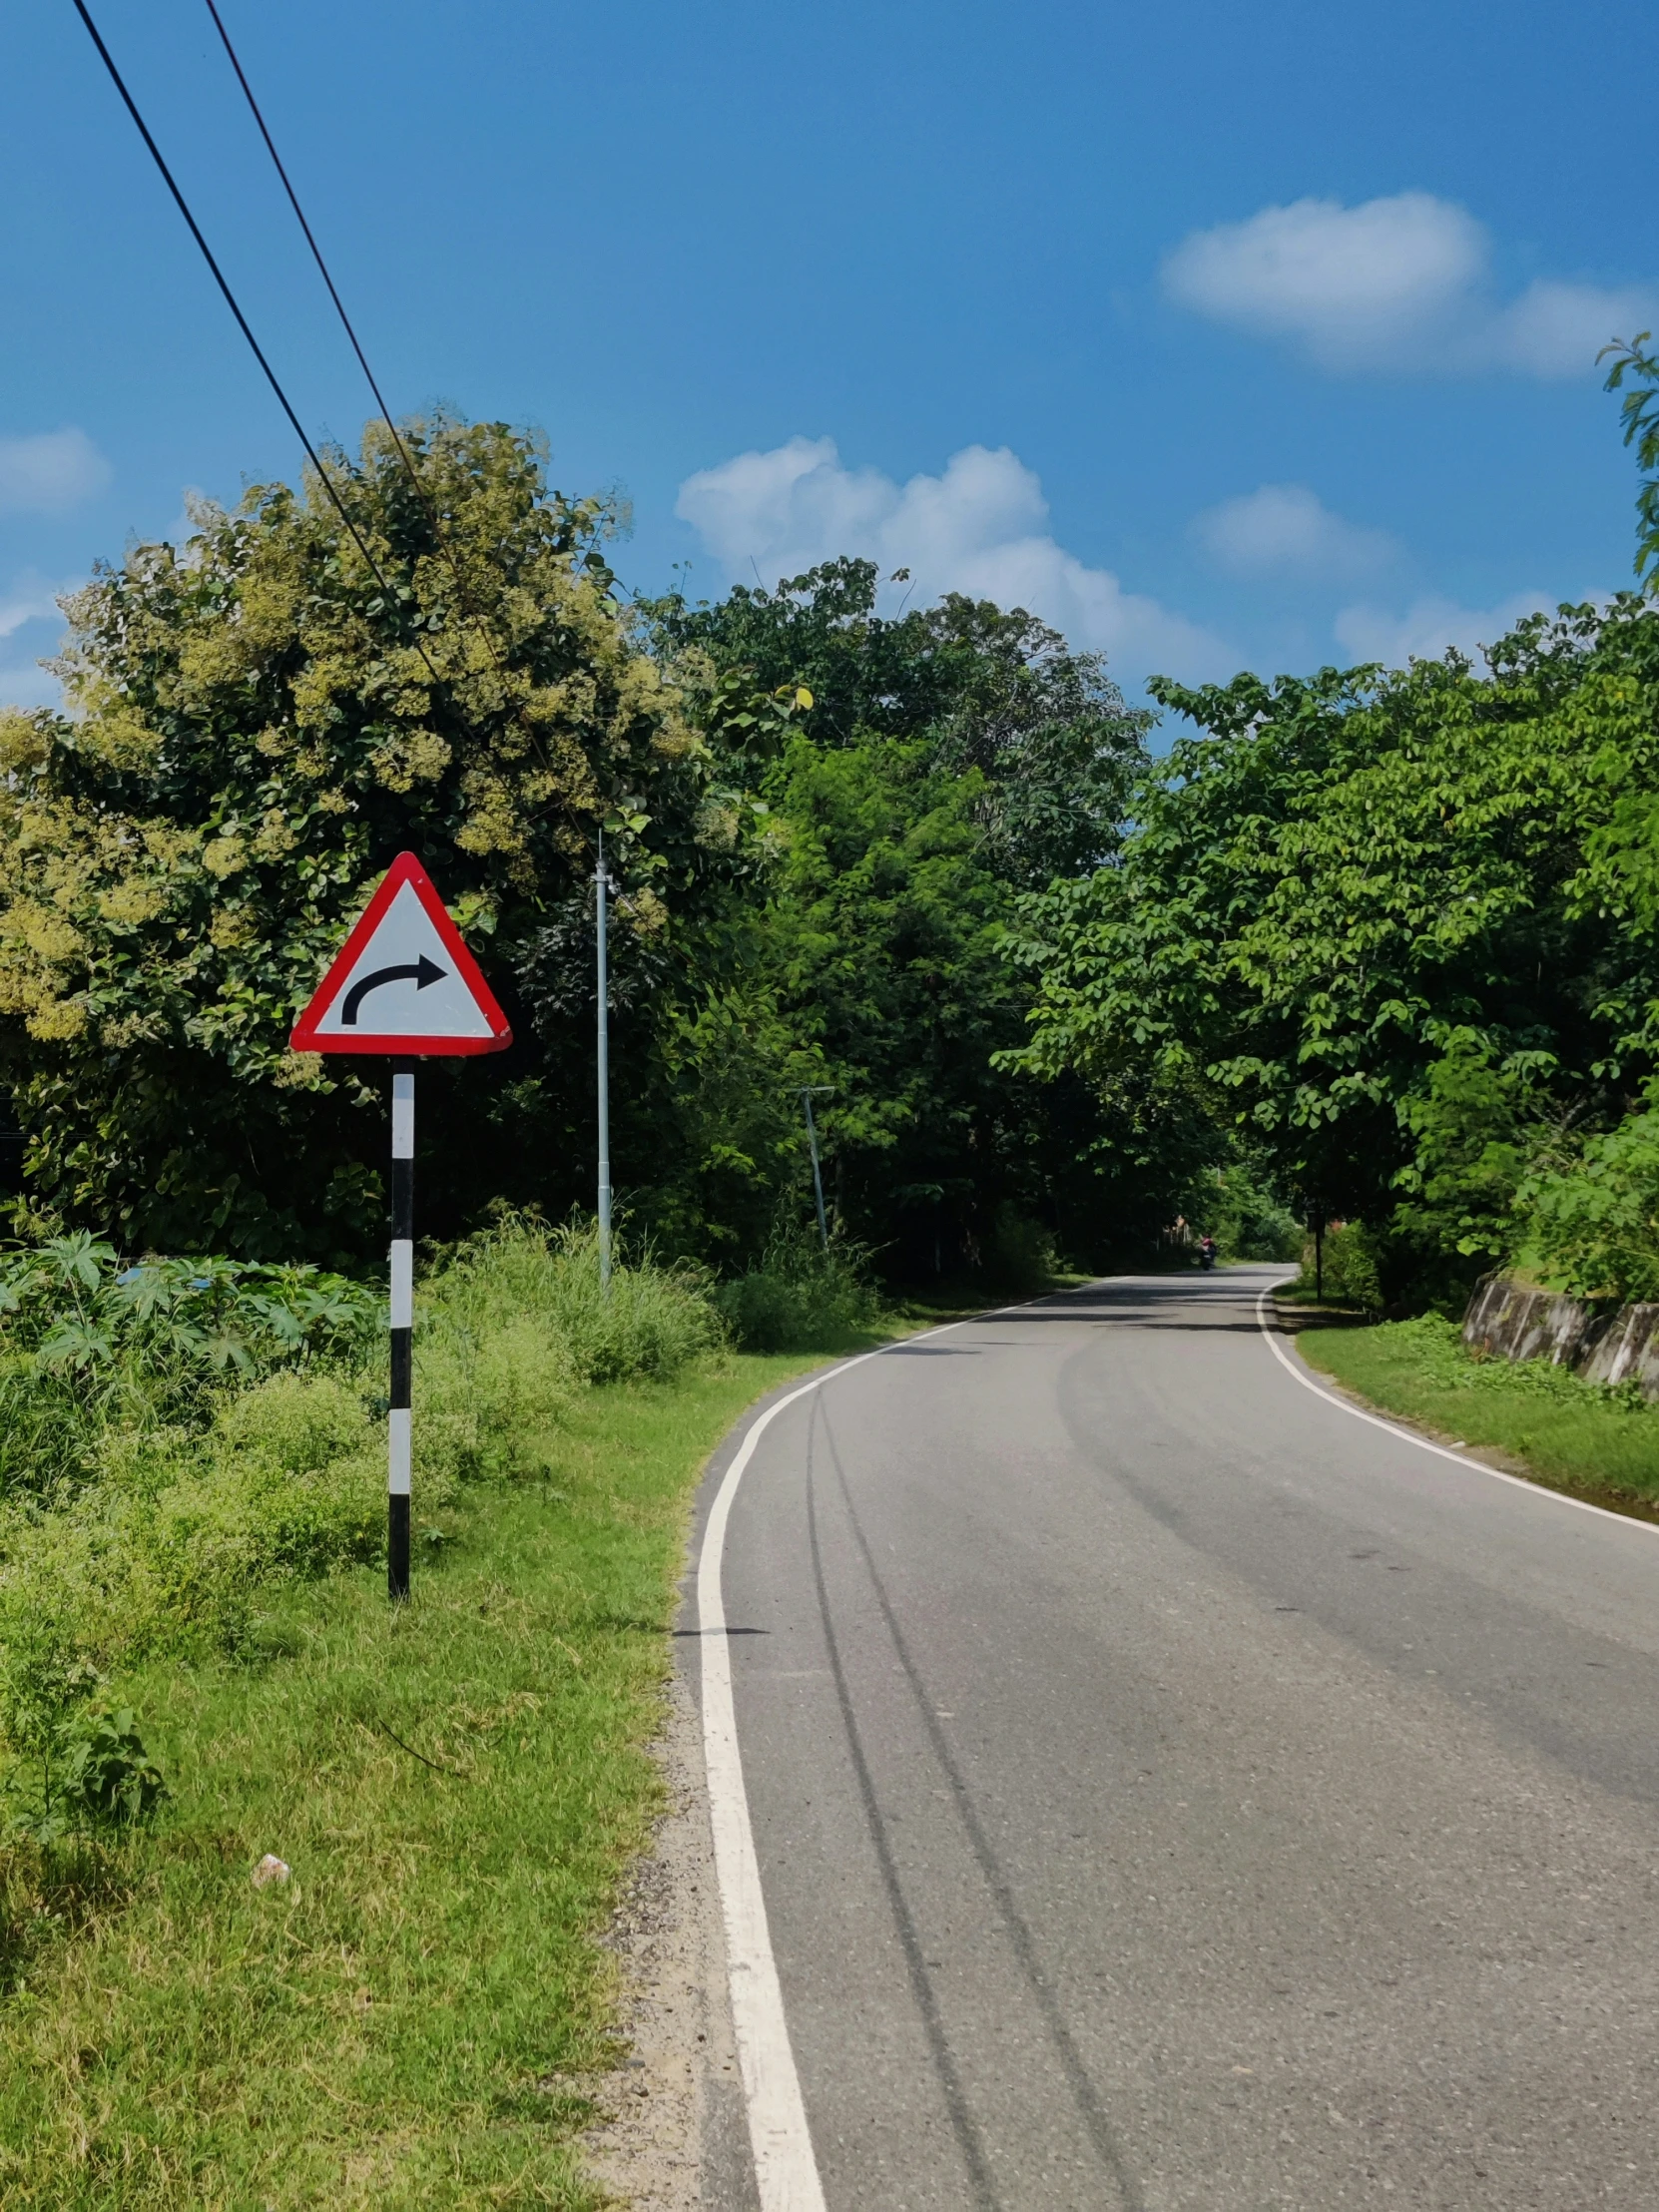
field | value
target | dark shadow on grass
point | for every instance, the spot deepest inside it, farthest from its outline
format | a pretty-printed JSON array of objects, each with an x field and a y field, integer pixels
[{"x": 51, "y": 1891}]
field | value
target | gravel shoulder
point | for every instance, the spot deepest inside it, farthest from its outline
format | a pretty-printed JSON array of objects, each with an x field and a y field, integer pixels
[{"x": 675, "y": 2138}]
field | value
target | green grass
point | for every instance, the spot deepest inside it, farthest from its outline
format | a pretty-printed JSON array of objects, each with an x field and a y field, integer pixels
[
  {"x": 400, "y": 2024},
  {"x": 1574, "y": 1435}
]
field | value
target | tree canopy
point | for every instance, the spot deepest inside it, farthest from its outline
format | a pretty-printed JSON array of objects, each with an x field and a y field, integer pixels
[
  {"x": 255, "y": 727},
  {"x": 814, "y": 885},
  {"x": 1383, "y": 923},
  {"x": 1378, "y": 945}
]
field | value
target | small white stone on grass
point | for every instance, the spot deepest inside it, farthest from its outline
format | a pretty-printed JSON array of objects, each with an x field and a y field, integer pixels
[{"x": 270, "y": 1869}]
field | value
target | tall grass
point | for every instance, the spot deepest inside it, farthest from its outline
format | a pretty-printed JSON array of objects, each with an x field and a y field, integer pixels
[
  {"x": 1600, "y": 1440},
  {"x": 412, "y": 2022},
  {"x": 183, "y": 1482},
  {"x": 800, "y": 1292},
  {"x": 650, "y": 1320},
  {"x": 193, "y": 1630}
]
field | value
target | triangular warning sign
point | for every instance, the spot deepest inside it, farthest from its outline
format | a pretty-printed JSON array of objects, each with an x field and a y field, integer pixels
[{"x": 403, "y": 981}]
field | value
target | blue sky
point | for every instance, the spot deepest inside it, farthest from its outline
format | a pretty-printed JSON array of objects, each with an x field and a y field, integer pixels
[{"x": 1222, "y": 336}]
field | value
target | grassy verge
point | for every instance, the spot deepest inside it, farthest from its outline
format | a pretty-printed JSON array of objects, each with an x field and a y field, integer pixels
[
  {"x": 455, "y": 1789},
  {"x": 1539, "y": 1420}
]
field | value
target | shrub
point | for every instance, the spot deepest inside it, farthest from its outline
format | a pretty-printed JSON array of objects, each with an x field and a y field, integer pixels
[
  {"x": 799, "y": 1294},
  {"x": 172, "y": 1547},
  {"x": 1250, "y": 1222},
  {"x": 1590, "y": 1223},
  {"x": 1349, "y": 1268},
  {"x": 649, "y": 1321},
  {"x": 90, "y": 1349},
  {"x": 164, "y": 1517},
  {"x": 1022, "y": 1255},
  {"x": 73, "y": 1304},
  {"x": 1436, "y": 1350},
  {"x": 94, "y": 1774}
]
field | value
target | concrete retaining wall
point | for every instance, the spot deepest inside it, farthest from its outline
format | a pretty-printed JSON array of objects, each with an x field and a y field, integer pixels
[{"x": 1604, "y": 1344}]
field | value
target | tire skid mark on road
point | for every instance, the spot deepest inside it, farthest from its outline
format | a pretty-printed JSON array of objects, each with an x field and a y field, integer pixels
[
  {"x": 1096, "y": 2125},
  {"x": 968, "y": 2138}
]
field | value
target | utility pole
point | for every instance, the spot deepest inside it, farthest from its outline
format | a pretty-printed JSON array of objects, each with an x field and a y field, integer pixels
[
  {"x": 806, "y": 1090},
  {"x": 601, "y": 882}
]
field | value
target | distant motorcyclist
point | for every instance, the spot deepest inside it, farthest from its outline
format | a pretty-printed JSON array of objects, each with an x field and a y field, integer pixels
[{"x": 1207, "y": 1253}]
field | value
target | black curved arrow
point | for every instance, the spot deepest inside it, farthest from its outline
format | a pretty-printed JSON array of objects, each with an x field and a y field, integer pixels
[{"x": 421, "y": 973}]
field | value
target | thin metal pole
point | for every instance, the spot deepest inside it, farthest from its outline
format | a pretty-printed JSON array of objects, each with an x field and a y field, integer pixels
[
  {"x": 602, "y": 889},
  {"x": 817, "y": 1179},
  {"x": 399, "y": 1441}
]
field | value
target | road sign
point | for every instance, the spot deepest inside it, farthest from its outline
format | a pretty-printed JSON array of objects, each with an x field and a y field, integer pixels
[{"x": 403, "y": 983}]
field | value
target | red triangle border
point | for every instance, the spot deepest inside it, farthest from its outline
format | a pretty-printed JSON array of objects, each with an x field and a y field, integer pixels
[{"x": 406, "y": 869}]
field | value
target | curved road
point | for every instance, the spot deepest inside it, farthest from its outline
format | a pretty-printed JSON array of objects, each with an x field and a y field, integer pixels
[{"x": 1171, "y": 1792}]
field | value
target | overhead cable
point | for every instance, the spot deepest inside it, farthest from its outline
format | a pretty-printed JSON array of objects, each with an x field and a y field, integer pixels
[
  {"x": 323, "y": 265},
  {"x": 241, "y": 320},
  {"x": 434, "y": 518}
]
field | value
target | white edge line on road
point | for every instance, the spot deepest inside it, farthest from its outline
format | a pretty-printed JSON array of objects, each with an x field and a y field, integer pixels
[
  {"x": 785, "y": 2170},
  {"x": 1440, "y": 1452}
]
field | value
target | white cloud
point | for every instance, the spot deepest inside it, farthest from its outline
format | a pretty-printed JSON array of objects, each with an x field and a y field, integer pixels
[
  {"x": 1558, "y": 330},
  {"x": 30, "y": 598},
  {"x": 1429, "y": 627},
  {"x": 47, "y": 473},
  {"x": 1287, "y": 530},
  {"x": 1400, "y": 283},
  {"x": 979, "y": 528}
]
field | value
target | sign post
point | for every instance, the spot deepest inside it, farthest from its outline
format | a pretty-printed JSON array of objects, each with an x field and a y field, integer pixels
[
  {"x": 602, "y": 890},
  {"x": 402, "y": 986}
]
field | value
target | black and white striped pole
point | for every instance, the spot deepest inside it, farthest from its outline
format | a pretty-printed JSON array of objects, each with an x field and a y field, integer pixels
[
  {"x": 403, "y": 988},
  {"x": 400, "y": 1420},
  {"x": 602, "y": 889}
]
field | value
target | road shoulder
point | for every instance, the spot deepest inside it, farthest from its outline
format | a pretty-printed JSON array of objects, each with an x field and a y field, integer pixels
[
  {"x": 675, "y": 2138},
  {"x": 1292, "y": 1323}
]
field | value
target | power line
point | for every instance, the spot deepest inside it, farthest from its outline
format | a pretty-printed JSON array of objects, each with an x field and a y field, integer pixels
[
  {"x": 299, "y": 216},
  {"x": 274, "y": 382},
  {"x": 434, "y": 518},
  {"x": 333, "y": 294},
  {"x": 241, "y": 320}
]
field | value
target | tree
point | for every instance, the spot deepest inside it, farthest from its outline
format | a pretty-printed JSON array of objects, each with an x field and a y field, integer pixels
[
  {"x": 984, "y": 689},
  {"x": 813, "y": 889},
  {"x": 947, "y": 758},
  {"x": 1382, "y": 923},
  {"x": 1635, "y": 373},
  {"x": 256, "y": 724}
]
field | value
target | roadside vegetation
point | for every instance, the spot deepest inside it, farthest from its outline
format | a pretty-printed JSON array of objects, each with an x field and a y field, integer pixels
[
  {"x": 1597, "y": 1441},
  {"x": 200, "y": 1668},
  {"x": 1390, "y": 935}
]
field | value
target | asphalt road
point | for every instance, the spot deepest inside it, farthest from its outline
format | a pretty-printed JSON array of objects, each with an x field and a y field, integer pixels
[{"x": 1172, "y": 1791}]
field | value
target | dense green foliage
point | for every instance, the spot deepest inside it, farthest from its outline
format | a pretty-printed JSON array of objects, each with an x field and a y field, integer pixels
[
  {"x": 182, "y": 1491},
  {"x": 253, "y": 733},
  {"x": 812, "y": 882},
  {"x": 944, "y": 762},
  {"x": 1367, "y": 945},
  {"x": 1391, "y": 931}
]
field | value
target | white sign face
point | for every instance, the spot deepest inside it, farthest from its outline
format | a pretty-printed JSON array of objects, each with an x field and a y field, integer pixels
[{"x": 405, "y": 981}]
